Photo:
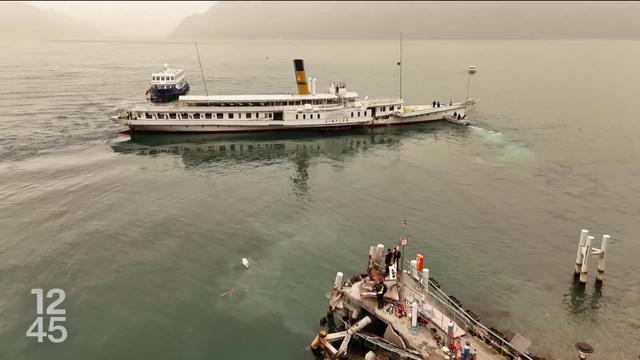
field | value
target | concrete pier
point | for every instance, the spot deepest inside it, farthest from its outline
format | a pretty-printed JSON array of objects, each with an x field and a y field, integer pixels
[{"x": 422, "y": 322}]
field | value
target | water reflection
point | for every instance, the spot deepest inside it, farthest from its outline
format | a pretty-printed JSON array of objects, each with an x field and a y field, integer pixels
[
  {"x": 583, "y": 303},
  {"x": 217, "y": 151},
  {"x": 300, "y": 181}
]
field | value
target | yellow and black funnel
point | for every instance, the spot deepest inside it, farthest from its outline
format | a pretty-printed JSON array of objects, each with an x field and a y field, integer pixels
[{"x": 301, "y": 78}]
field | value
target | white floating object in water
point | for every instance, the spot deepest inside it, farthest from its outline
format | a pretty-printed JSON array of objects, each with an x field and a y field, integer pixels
[{"x": 245, "y": 262}]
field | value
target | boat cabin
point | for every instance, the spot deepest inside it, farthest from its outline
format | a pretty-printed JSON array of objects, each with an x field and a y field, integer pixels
[{"x": 168, "y": 78}]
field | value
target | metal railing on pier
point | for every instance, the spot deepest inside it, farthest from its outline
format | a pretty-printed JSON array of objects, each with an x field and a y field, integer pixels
[{"x": 463, "y": 318}]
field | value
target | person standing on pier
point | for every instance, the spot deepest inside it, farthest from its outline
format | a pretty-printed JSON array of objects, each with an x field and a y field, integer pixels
[
  {"x": 396, "y": 255},
  {"x": 381, "y": 289},
  {"x": 388, "y": 260}
]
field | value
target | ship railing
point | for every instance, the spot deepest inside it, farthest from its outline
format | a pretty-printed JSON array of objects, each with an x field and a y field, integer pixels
[
  {"x": 383, "y": 101},
  {"x": 459, "y": 316}
]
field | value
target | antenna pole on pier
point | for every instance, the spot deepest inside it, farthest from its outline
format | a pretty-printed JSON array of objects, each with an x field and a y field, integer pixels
[
  {"x": 201, "y": 71},
  {"x": 403, "y": 242}
]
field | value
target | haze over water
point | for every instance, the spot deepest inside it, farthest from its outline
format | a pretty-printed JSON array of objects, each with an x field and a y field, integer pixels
[{"x": 143, "y": 234}]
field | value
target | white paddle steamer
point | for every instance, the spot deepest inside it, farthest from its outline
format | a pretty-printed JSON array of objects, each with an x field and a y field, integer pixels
[{"x": 333, "y": 110}]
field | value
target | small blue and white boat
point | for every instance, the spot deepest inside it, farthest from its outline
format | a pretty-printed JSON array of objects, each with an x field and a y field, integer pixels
[{"x": 167, "y": 85}]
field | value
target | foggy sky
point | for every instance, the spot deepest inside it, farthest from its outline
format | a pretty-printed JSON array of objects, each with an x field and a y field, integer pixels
[
  {"x": 128, "y": 18},
  {"x": 310, "y": 19}
]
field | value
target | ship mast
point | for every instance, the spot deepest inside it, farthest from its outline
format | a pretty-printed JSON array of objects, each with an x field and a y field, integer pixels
[
  {"x": 201, "y": 71},
  {"x": 400, "y": 64}
]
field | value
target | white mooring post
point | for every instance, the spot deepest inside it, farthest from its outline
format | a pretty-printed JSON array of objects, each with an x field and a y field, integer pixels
[
  {"x": 585, "y": 259},
  {"x": 585, "y": 250},
  {"x": 583, "y": 240},
  {"x": 413, "y": 272},
  {"x": 337, "y": 284},
  {"x": 414, "y": 314},
  {"x": 601, "y": 262},
  {"x": 380, "y": 255},
  {"x": 425, "y": 280}
]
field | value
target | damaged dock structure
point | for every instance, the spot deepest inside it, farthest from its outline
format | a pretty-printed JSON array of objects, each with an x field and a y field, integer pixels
[{"x": 416, "y": 321}]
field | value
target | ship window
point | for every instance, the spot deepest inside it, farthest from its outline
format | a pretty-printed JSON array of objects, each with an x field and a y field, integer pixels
[
  {"x": 358, "y": 113},
  {"x": 172, "y": 115},
  {"x": 296, "y": 116},
  {"x": 148, "y": 116},
  {"x": 207, "y": 116},
  {"x": 248, "y": 116},
  {"x": 351, "y": 114},
  {"x": 257, "y": 115},
  {"x": 304, "y": 117},
  {"x": 196, "y": 116},
  {"x": 230, "y": 116},
  {"x": 218, "y": 116},
  {"x": 270, "y": 115}
]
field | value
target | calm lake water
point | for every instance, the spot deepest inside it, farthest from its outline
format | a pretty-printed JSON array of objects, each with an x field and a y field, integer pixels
[{"x": 143, "y": 234}]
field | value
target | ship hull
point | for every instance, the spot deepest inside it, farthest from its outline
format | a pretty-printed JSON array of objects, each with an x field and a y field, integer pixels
[
  {"x": 166, "y": 95},
  {"x": 225, "y": 129},
  {"x": 413, "y": 115}
]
